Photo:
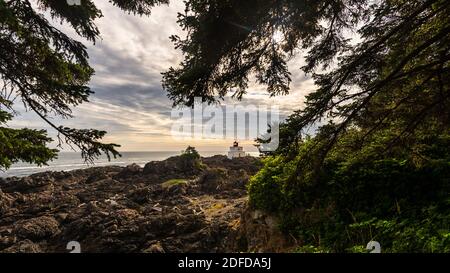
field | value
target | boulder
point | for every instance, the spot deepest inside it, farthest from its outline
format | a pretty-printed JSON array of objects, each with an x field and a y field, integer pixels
[
  {"x": 96, "y": 176},
  {"x": 259, "y": 232},
  {"x": 25, "y": 246},
  {"x": 155, "y": 248},
  {"x": 177, "y": 165},
  {"x": 140, "y": 195},
  {"x": 34, "y": 183},
  {"x": 37, "y": 228},
  {"x": 212, "y": 180},
  {"x": 130, "y": 171}
]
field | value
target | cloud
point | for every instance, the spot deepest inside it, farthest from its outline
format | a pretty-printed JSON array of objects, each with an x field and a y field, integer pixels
[{"x": 129, "y": 101}]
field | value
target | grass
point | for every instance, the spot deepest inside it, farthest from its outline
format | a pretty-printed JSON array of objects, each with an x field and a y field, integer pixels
[{"x": 173, "y": 182}]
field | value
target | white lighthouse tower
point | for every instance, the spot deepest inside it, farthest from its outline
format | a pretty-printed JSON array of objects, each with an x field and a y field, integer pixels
[{"x": 236, "y": 151}]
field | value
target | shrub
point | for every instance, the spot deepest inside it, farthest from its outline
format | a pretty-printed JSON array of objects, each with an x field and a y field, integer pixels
[{"x": 355, "y": 199}]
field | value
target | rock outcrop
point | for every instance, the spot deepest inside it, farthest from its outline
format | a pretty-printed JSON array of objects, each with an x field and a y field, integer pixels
[
  {"x": 168, "y": 206},
  {"x": 259, "y": 232}
]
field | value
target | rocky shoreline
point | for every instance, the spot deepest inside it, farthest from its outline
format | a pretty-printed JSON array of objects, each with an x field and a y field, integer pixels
[{"x": 167, "y": 206}]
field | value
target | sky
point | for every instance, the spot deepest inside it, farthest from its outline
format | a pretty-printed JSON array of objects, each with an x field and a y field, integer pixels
[{"x": 129, "y": 101}]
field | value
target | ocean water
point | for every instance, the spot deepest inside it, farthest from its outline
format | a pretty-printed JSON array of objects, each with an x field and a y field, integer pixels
[{"x": 71, "y": 161}]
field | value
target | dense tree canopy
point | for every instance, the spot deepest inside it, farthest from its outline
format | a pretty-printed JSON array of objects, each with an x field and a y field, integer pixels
[
  {"x": 371, "y": 60},
  {"x": 49, "y": 72}
]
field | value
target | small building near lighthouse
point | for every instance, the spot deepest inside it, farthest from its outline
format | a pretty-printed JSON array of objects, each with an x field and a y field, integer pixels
[{"x": 236, "y": 151}]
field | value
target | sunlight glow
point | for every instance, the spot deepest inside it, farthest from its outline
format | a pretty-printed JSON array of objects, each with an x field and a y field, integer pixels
[{"x": 277, "y": 36}]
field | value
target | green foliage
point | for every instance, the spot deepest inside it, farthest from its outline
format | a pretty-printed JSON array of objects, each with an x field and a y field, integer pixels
[
  {"x": 428, "y": 233},
  {"x": 383, "y": 171},
  {"x": 265, "y": 186},
  {"x": 173, "y": 182},
  {"x": 360, "y": 196},
  {"x": 191, "y": 152},
  {"x": 24, "y": 145},
  {"x": 191, "y": 158},
  {"x": 310, "y": 249},
  {"x": 268, "y": 187}
]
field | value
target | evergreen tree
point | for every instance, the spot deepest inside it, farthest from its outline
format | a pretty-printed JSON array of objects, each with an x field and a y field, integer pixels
[
  {"x": 398, "y": 71},
  {"x": 49, "y": 72}
]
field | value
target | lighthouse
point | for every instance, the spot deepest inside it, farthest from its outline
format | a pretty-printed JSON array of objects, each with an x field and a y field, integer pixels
[{"x": 236, "y": 151}]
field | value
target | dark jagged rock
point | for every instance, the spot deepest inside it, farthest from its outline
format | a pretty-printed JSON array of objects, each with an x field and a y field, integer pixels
[
  {"x": 155, "y": 248},
  {"x": 130, "y": 170},
  {"x": 34, "y": 183},
  {"x": 176, "y": 205},
  {"x": 177, "y": 165},
  {"x": 5, "y": 202},
  {"x": 25, "y": 246},
  {"x": 141, "y": 195},
  {"x": 37, "y": 228},
  {"x": 96, "y": 177},
  {"x": 211, "y": 180},
  {"x": 259, "y": 232}
]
